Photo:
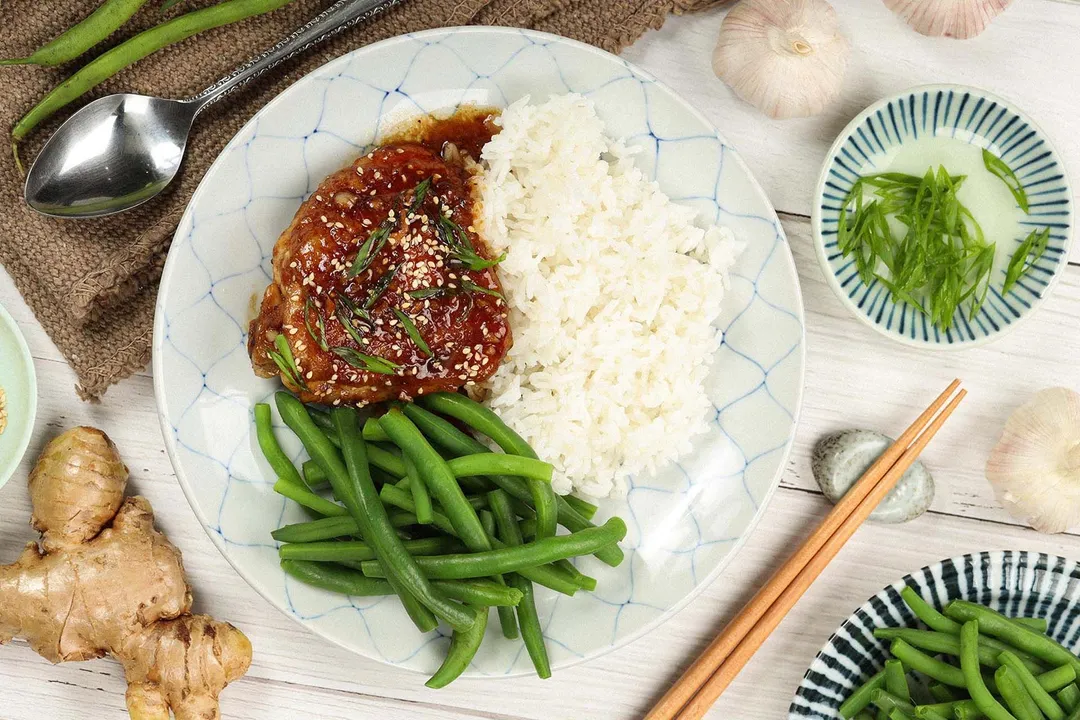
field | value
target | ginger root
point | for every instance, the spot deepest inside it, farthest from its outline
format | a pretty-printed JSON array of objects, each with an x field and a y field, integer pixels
[{"x": 104, "y": 581}]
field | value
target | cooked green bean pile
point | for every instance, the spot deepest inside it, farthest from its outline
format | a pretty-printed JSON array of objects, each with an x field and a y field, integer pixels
[
  {"x": 411, "y": 505},
  {"x": 976, "y": 663}
]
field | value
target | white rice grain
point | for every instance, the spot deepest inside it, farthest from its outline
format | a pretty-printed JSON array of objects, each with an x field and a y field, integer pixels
[{"x": 613, "y": 291}]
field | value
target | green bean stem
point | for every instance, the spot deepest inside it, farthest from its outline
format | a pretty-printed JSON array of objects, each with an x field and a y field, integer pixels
[
  {"x": 969, "y": 665},
  {"x": 352, "y": 483},
  {"x": 488, "y": 423},
  {"x": 130, "y": 51},
  {"x": 1032, "y": 686},
  {"x": 532, "y": 633},
  {"x": 81, "y": 36},
  {"x": 463, "y": 647}
]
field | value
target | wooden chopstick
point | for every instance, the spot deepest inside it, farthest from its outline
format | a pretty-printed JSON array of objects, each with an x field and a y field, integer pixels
[{"x": 711, "y": 673}]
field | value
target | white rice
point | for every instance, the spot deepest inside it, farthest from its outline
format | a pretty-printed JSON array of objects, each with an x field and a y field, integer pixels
[{"x": 613, "y": 291}]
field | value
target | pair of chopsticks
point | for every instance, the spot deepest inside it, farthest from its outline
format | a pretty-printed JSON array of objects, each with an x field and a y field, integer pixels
[{"x": 699, "y": 687}]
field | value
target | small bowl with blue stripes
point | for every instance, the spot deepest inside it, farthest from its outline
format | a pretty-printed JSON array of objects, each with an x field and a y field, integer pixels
[
  {"x": 950, "y": 125},
  {"x": 1015, "y": 583}
]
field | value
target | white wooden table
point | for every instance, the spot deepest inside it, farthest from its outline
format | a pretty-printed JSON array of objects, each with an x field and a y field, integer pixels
[{"x": 854, "y": 378}]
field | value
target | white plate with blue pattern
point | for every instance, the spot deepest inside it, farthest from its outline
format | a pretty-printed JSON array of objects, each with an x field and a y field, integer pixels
[
  {"x": 1015, "y": 583},
  {"x": 950, "y": 125},
  {"x": 684, "y": 525}
]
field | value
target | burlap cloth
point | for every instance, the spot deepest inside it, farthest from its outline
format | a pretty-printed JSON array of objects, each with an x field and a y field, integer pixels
[{"x": 92, "y": 283}]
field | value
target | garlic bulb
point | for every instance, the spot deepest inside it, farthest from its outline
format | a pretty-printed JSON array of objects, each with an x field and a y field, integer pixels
[
  {"x": 785, "y": 57},
  {"x": 959, "y": 19},
  {"x": 1035, "y": 467}
]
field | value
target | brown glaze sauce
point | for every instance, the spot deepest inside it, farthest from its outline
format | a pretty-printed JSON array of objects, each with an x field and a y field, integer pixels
[{"x": 415, "y": 273}]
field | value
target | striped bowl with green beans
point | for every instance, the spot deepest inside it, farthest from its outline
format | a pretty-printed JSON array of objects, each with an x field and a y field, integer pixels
[{"x": 987, "y": 635}]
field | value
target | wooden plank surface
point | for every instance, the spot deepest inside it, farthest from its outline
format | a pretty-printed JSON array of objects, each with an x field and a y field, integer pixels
[{"x": 855, "y": 378}]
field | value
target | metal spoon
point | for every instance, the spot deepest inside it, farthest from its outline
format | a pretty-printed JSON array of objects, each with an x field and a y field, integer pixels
[{"x": 119, "y": 151}]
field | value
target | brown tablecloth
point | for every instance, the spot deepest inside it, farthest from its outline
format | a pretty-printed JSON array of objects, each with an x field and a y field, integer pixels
[{"x": 92, "y": 283}]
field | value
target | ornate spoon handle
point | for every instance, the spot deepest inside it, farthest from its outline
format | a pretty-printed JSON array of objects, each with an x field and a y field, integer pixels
[{"x": 332, "y": 20}]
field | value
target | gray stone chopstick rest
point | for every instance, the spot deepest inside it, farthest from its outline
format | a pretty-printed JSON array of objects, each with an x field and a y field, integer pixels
[{"x": 840, "y": 459}]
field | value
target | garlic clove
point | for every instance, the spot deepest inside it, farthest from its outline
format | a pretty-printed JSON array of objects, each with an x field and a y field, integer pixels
[
  {"x": 960, "y": 19},
  {"x": 785, "y": 57},
  {"x": 1035, "y": 466}
]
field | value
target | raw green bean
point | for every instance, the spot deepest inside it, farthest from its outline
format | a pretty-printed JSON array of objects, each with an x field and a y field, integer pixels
[
  {"x": 938, "y": 642},
  {"x": 498, "y": 464},
  {"x": 927, "y": 613},
  {"x": 463, "y": 647},
  {"x": 130, "y": 51},
  {"x": 547, "y": 575},
  {"x": 996, "y": 624},
  {"x": 896, "y": 680},
  {"x": 1031, "y": 684},
  {"x": 864, "y": 715},
  {"x": 531, "y": 632},
  {"x": 314, "y": 477},
  {"x": 925, "y": 664},
  {"x": 1016, "y": 698},
  {"x": 488, "y": 423},
  {"x": 515, "y": 559},
  {"x": 308, "y": 499},
  {"x": 279, "y": 462},
  {"x": 1039, "y": 625},
  {"x": 1069, "y": 697},
  {"x": 326, "y": 528},
  {"x": 373, "y": 431},
  {"x": 82, "y": 36},
  {"x": 440, "y": 480},
  {"x": 888, "y": 702},
  {"x": 444, "y": 434},
  {"x": 1075, "y": 714},
  {"x": 419, "y": 490},
  {"x": 352, "y": 483},
  {"x": 860, "y": 698},
  {"x": 969, "y": 665},
  {"x": 357, "y": 550},
  {"x": 898, "y": 714},
  {"x": 585, "y": 508}
]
